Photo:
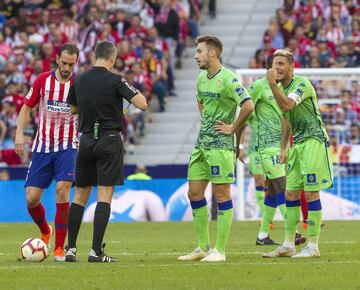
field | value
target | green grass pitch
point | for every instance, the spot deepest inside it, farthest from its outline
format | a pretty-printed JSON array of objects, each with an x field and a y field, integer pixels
[{"x": 148, "y": 251}]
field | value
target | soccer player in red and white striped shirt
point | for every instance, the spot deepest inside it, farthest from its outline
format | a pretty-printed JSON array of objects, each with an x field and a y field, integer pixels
[{"x": 55, "y": 145}]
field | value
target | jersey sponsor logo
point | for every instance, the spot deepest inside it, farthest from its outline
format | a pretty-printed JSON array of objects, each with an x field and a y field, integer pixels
[
  {"x": 210, "y": 95},
  {"x": 215, "y": 170},
  {"x": 28, "y": 96},
  {"x": 311, "y": 179},
  {"x": 58, "y": 107}
]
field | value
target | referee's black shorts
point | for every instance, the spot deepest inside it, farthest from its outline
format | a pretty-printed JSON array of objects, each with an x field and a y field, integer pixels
[{"x": 100, "y": 162}]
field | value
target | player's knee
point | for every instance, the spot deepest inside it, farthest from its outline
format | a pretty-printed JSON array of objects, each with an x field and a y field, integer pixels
[
  {"x": 195, "y": 196},
  {"x": 62, "y": 194},
  {"x": 221, "y": 197},
  {"x": 311, "y": 196},
  {"x": 31, "y": 201}
]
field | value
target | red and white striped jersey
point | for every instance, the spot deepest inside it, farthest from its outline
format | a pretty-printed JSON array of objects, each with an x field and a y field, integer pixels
[{"x": 57, "y": 127}]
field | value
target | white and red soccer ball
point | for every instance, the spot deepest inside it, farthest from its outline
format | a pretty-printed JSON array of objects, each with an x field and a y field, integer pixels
[{"x": 34, "y": 250}]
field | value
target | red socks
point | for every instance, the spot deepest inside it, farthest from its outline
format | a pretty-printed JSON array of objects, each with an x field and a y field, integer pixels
[
  {"x": 38, "y": 215},
  {"x": 61, "y": 223}
]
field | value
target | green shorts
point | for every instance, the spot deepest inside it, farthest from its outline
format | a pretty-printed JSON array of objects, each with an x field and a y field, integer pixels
[
  {"x": 215, "y": 165},
  {"x": 255, "y": 164},
  {"x": 270, "y": 162},
  {"x": 309, "y": 166}
]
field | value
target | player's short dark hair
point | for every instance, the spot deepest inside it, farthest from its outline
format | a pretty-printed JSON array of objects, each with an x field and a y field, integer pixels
[
  {"x": 269, "y": 62},
  {"x": 286, "y": 53},
  {"x": 70, "y": 49},
  {"x": 212, "y": 42},
  {"x": 104, "y": 50}
]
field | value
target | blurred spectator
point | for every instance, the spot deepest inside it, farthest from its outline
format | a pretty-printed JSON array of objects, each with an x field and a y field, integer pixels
[
  {"x": 4, "y": 174},
  {"x": 156, "y": 73},
  {"x": 343, "y": 59},
  {"x": 140, "y": 173},
  {"x": 121, "y": 24},
  {"x": 130, "y": 6},
  {"x": 275, "y": 34},
  {"x": 69, "y": 26},
  {"x": 136, "y": 30},
  {"x": 5, "y": 48},
  {"x": 354, "y": 137}
]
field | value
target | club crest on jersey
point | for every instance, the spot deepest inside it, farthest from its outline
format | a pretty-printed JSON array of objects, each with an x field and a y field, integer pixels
[
  {"x": 215, "y": 170},
  {"x": 58, "y": 107},
  {"x": 235, "y": 80},
  {"x": 218, "y": 82}
]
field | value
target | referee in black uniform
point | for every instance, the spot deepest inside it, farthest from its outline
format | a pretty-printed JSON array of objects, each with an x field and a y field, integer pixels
[{"x": 97, "y": 96}]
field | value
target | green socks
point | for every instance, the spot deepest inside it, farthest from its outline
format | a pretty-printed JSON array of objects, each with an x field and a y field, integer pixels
[
  {"x": 291, "y": 221},
  {"x": 314, "y": 222},
  {"x": 259, "y": 195},
  {"x": 224, "y": 220},
  {"x": 201, "y": 223},
  {"x": 281, "y": 203},
  {"x": 268, "y": 216}
]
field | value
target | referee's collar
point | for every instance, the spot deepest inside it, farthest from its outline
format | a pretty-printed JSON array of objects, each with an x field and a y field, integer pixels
[{"x": 100, "y": 68}]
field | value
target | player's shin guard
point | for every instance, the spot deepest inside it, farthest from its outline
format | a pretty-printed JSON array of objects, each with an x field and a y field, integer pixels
[
  {"x": 38, "y": 215},
  {"x": 281, "y": 203},
  {"x": 101, "y": 219},
  {"x": 259, "y": 194},
  {"x": 201, "y": 223},
  {"x": 75, "y": 218},
  {"x": 224, "y": 221},
  {"x": 314, "y": 222},
  {"x": 291, "y": 221},
  {"x": 61, "y": 223},
  {"x": 268, "y": 216}
]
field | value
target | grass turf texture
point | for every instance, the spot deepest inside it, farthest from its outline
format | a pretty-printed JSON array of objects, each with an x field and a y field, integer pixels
[{"x": 148, "y": 252}]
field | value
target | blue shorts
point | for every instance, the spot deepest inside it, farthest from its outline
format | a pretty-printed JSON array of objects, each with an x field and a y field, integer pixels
[{"x": 44, "y": 167}]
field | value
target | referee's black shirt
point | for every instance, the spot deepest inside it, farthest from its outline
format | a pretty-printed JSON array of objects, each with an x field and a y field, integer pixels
[{"x": 98, "y": 95}]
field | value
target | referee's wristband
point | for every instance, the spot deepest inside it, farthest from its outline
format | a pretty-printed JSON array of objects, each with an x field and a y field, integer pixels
[{"x": 241, "y": 146}]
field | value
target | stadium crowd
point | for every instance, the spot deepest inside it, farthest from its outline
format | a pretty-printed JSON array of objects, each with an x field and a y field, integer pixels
[
  {"x": 322, "y": 34},
  {"x": 150, "y": 38}
]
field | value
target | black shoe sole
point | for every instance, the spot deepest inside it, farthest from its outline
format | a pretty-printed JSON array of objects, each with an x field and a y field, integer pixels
[{"x": 70, "y": 259}]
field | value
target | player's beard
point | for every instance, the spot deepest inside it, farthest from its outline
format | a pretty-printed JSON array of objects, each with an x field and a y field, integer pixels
[{"x": 64, "y": 74}]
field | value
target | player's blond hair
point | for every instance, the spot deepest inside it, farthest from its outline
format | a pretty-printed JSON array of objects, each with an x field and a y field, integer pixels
[
  {"x": 286, "y": 53},
  {"x": 212, "y": 42}
]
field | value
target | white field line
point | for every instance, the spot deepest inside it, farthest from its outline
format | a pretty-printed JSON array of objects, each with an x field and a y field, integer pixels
[{"x": 26, "y": 266}]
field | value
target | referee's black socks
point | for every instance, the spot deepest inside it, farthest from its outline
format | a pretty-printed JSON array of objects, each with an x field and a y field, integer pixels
[
  {"x": 75, "y": 218},
  {"x": 101, "y": 218}
]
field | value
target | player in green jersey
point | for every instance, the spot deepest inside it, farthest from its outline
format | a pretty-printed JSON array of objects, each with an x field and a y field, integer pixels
[
  {"x": 219, "y": 93},
  {"x": 255, "y": 166},
  {"x": 309, "y": 167},
  {"x": 269, "y": 118}
]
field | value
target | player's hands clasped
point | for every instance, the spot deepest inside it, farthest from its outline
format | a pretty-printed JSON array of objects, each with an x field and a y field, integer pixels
[
  {"x": 271, "y": 76},
  {"x": 221, "y": 127},
  {"x": 283, "y": 156},
  {"x": 20, "y": 144}
]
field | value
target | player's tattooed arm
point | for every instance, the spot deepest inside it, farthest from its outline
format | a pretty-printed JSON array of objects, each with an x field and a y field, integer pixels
[
  {"x": 285, "y": 103},
  {"x": 285, "y": 135}
]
